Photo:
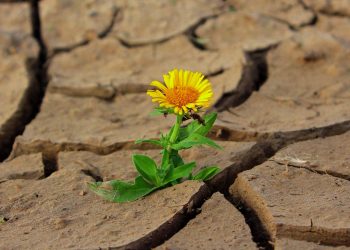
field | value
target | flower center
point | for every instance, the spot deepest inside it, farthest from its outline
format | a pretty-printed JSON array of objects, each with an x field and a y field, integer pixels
[{"x": 181, "y": 96}]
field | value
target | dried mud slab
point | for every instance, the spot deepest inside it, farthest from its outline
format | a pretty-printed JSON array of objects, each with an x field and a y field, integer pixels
[
  {"x": 105, "y": 67},
  {"x": 326, "y": 155},
  {"x": 67, "y": 23},
  {"x": 259, "y": 31},
  {"x": 339, "y": 27},
  {"x": 308, "y": 86},
  {"x": 161, "y": 24},
  {"x": 251, "y": 118},
  {"x": 14, "y": 49},
  {"x": 68, "y": 123},
  {"x": 24, "y": 167},
  {"x": 219, "y": 226},
  {"x": 58, "y": 212},
  {"x": 64, "y": 23},
  {"x": 308, "y": 52},
  {"x": 15, "y": 19},
  {"x": 297, "y": 203},
  {"x": 331, "y": 7},
  {"x": 291, "y": 12},
  {"x": 118, "y": 165},
  {"x": 289, "y": 244}
]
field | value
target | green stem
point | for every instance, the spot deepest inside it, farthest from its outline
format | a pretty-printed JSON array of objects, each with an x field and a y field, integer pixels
[
  {"x": 176, "y": 130},
  {"x": 172, "y": 139}
]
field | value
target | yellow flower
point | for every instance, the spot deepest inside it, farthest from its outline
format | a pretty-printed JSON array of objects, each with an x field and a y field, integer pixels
[{"x": 183, "y": 91}]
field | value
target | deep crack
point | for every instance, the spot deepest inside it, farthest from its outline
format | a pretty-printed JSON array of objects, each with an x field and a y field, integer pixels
[
  {"x": 50, "y": 163},
  {"x": 255, "y": 73},
  {"x": 170, "y": 228},
  {"x": 259, "y": 235},
  {"x": 267, "y": 147},
  {"x": 30, "y": 103},
  {"x": 38, "y": 146}
]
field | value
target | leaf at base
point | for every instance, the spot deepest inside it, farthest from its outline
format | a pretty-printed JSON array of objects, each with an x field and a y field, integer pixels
[
  {"x": 147, "y": 168},
  {"x": 206, "y": 173},
  {"x": 119, "y": 191}
]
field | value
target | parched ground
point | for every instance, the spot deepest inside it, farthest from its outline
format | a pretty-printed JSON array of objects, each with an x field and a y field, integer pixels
[{"x": 73, "y": 76}]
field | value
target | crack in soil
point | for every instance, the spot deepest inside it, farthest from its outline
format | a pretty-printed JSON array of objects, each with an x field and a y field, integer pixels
[
  {"x": 259, "y": 235},
  {"x": 104, "y": 33},
  {"x": 255, "y": 74},
  {"x": 259, "y": 153},
  {"x": 14, "y": 1},
  {"x": 310, "y": 22},
  {"x": 287, "y": 163},
  {"x": 30, "y": 103},
  {"x": 192, "y": 36},
  {"x": 321, "y": 235},
  {"x": 38, "y": 146},
  {"x": 190, "y": 33},
  {"x": 215, "y": 73},
  {"x": 325, "y": 10},
  {"x": 223, "y": 133},
  {"x": 269, "y": 146},
  {"x": 94, "y": 174},
  {"x": 50, "y": 163},
  {"x": 173, "y": 225}
]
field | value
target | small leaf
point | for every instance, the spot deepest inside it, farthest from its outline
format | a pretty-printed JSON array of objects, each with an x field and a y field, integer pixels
[
  {"x": 179, "y": 172},
  {"x": 176, "y": 159},
  {"x": 155, "y": 142},
  {"x": 232, "y": 8},
  {"x": 161, "y": 111},
  {"x": 196, "y": 127},
  {"x": 104, "y": 190},
  {"x": 194, "y": 140},
  {"x": 119, "y": 191},
  {"x": 206, "y": 173},
  {"x": 147, "y": 168},
  {"x": 201, "y": 41},
  {"x": 2, "y": 220}
]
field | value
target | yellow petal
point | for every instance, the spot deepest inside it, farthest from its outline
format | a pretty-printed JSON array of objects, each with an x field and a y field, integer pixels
[{"x": 158, "y": 85}]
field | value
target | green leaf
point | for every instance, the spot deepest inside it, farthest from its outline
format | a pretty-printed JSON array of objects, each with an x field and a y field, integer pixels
[
  {"x": 2, "y": 220},
  {"x": 206, "y": 173},
  {"x": 201, "y": 41},
  {"x": 179, "y": 172},
  {"x": 165, "y": 160},
  {"x": 232, "y": 8},
  {"x": 147, "y": 168},
  {"x": 176, "y": 159},
  {"x": 194, "y": 140},
  {"x": 155, "y": 142},
  {"x": 196, "y": 127},
  {"x": 119, "y": 191},
  {"x": 161, "y": 111}
]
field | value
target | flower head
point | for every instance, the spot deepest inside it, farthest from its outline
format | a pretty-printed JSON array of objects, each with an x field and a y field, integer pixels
[{"x": 183, "y": 91}]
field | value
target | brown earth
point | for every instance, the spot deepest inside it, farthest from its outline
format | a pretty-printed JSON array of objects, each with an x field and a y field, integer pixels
[{"x": 281, "y": 76}]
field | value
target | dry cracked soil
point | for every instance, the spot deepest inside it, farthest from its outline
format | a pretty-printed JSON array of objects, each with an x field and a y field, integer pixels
[{"x": 72, "y": 103}]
